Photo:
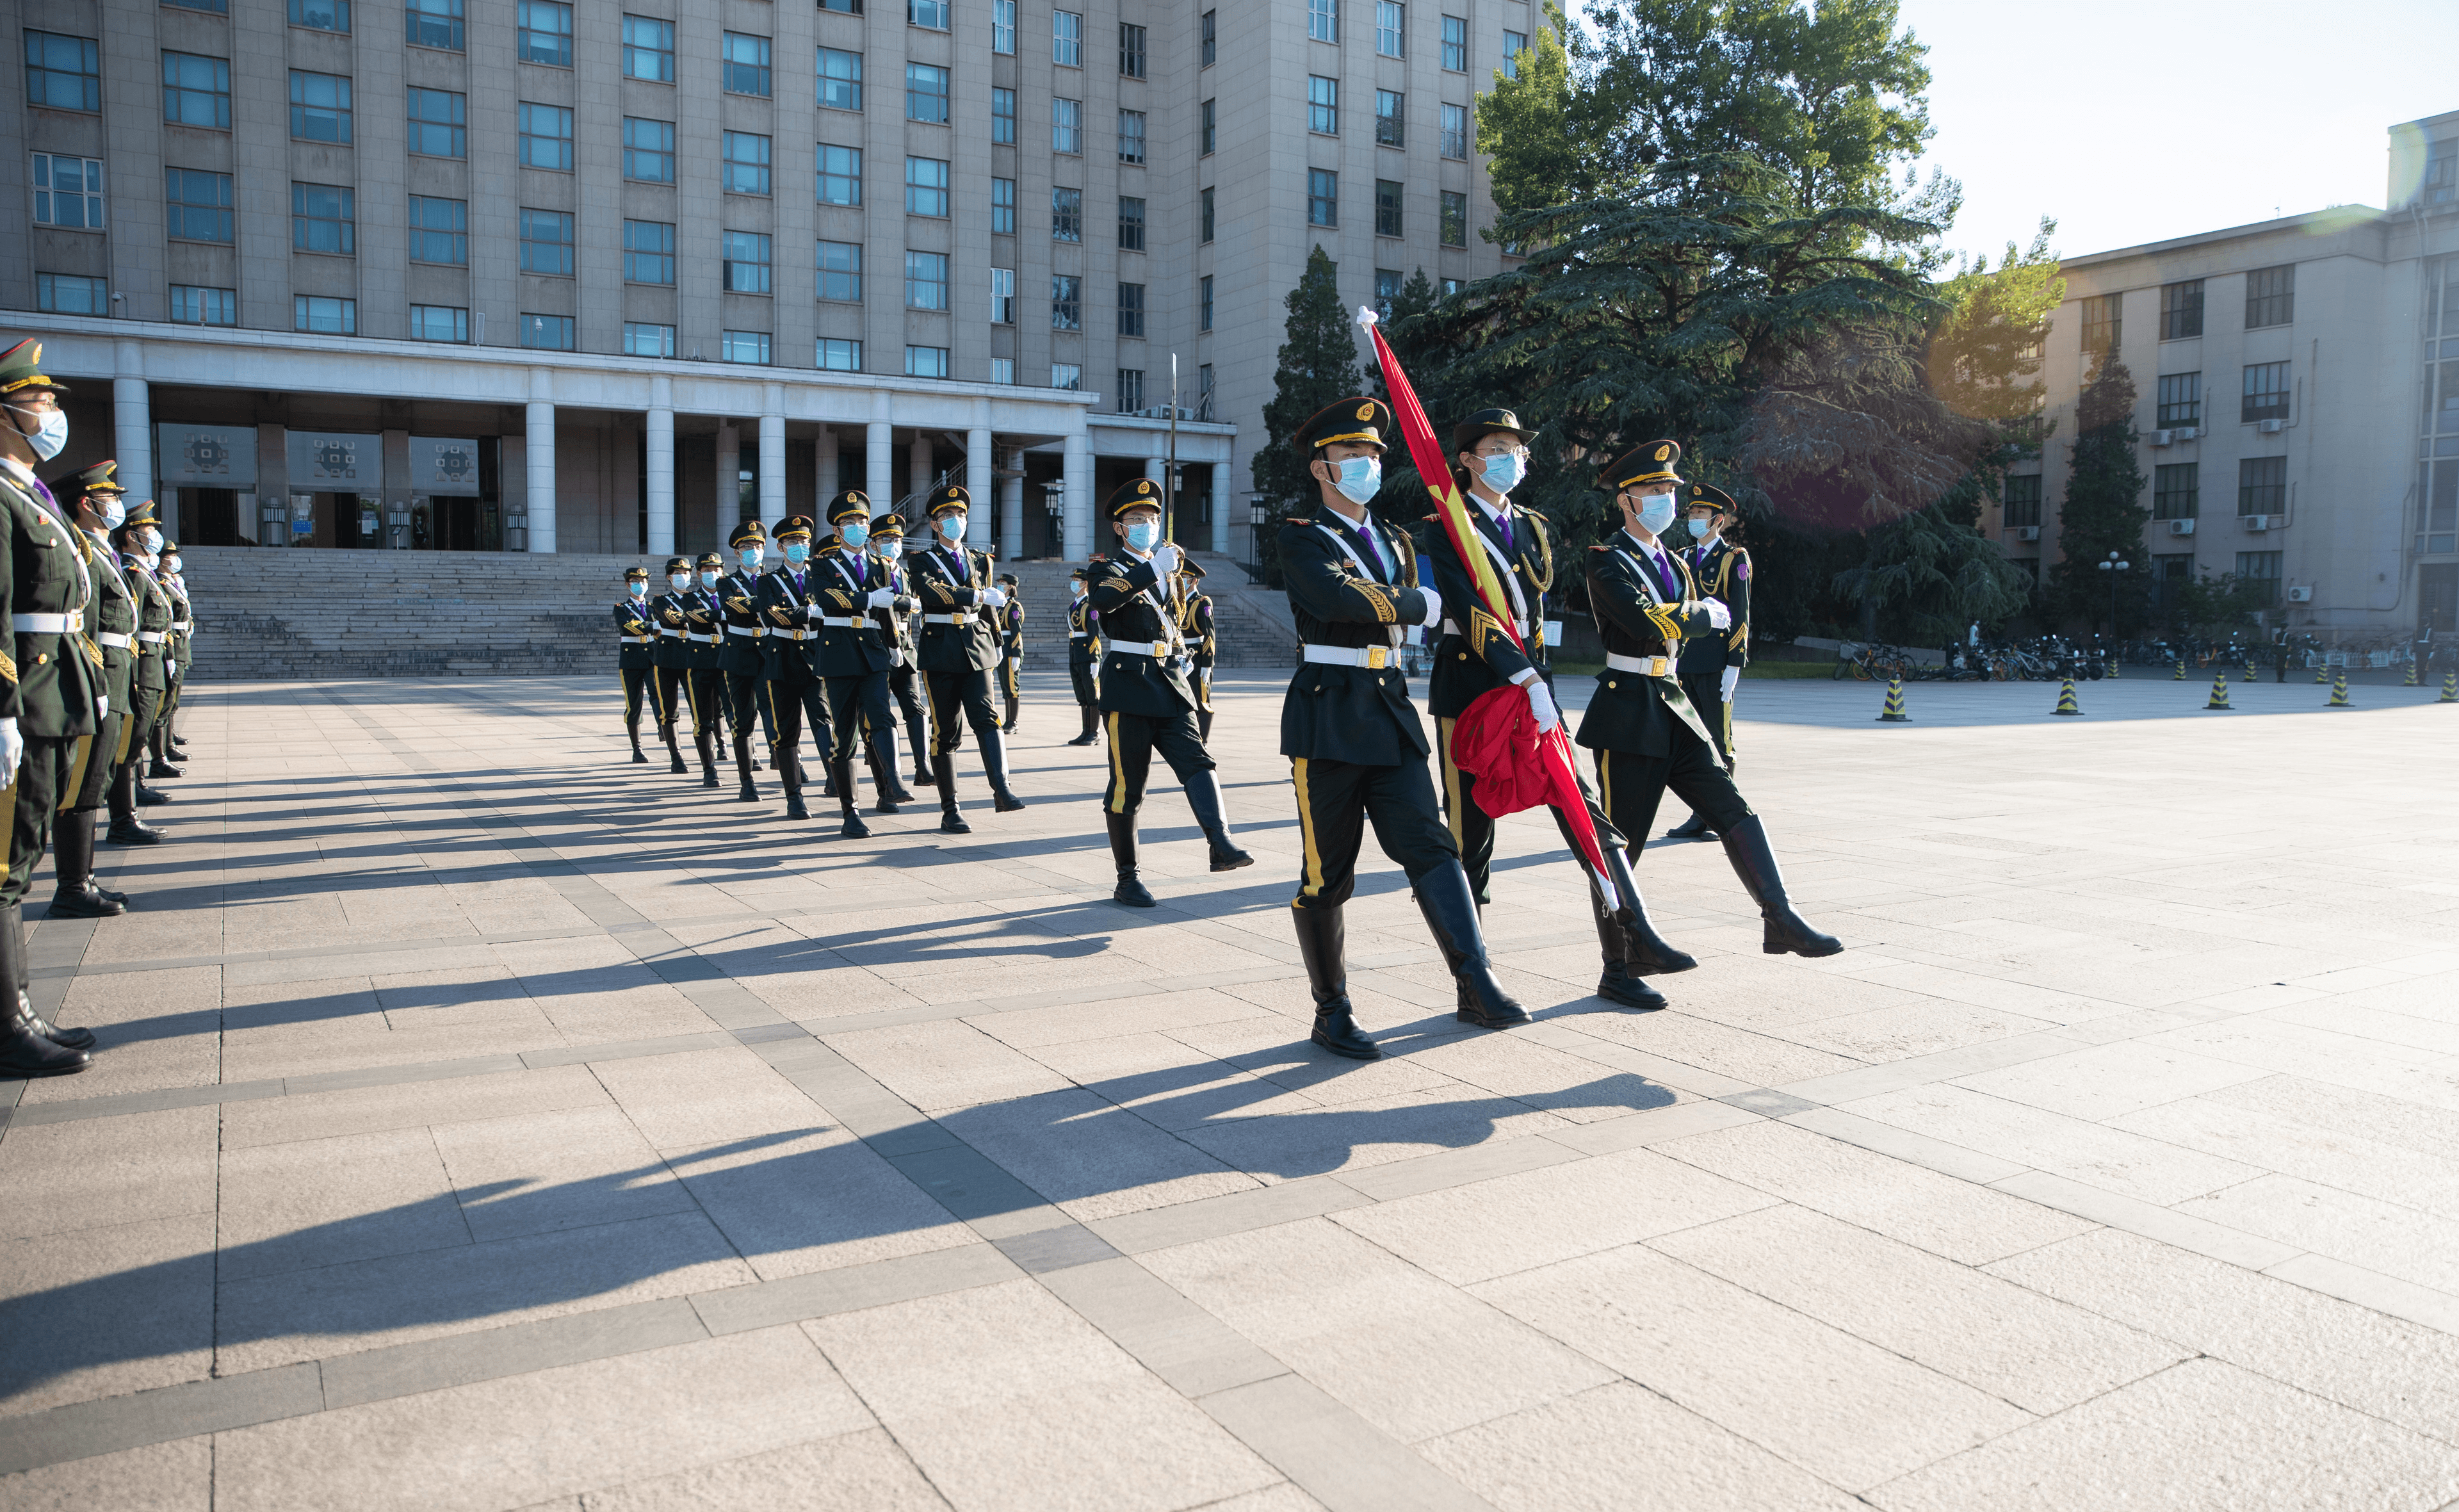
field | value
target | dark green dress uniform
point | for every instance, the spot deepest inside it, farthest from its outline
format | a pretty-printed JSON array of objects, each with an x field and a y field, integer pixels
[
  {"x": 737, "y": 654},
  {"x": 960, "y": 648},
  {"x": 635, "y": 650},
  {"x": 888, "y": 549},
  {"x": 152, "y": 681},
  {"x": 1084, "y": 657},
  {"x": 672, "y": 659},
  {"x": 1011, "y": 623},
  {"x": 851, "y": 603},
  {"x": 794, "y": 689},
  {"x": 183, "y": 630},
  {"x": 1146, "y": 704},
  {"x": 1203, "y": 646},
  {"x": 1647, "y": 736},
  {"x": 1719, "y": 569},
  {"x": 1356, "y": 748},
  {"x": 111, "y": 625},
  {"x": 175, "y": 664}
]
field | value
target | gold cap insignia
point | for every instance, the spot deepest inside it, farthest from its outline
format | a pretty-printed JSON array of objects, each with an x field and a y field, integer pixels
[
  {"x": 1662, "y": 453},
  {"x": 1366, "y": 411},
  {"x": 1145, "y": 487}
]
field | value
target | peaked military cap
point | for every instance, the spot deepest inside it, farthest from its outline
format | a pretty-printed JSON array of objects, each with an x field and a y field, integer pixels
[
  {"x": 1079, "y": 573},
  {"x": 949, "y": 499},
  {"x": 636, "y": 574},
  {"x": 1139, "y": 493},
  {"x": 854, "y": 504},
  {"x": 1696, "y": 495},
  {"x": 1653, "y": 463},
  {"x": 1359, "y": 418},
  {"x": 677, "y": 564},
  {"x": 890, "y": 525},
  {"x": 170, "y": 547},
  {"x": 712, "y": 559},
  {"x": 1485, "y": 423},
  {"x": 1190, "y": 568},
  {"x": 793, "y": 527},
  {"x": 103, "y": 477},
  {"x": 142, "y": 513},
  {"x": 751, "y": 533},
  {"x": 1007, "y": 577},
  {"x": 21, "y": 366}
]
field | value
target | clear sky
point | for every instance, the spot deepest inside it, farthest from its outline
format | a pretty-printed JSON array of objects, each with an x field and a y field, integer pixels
[{"x": 2136, "y": 120}]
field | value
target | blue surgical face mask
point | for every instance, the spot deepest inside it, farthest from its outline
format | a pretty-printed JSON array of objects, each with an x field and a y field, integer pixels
[
  {"x": 51, "y": 434},
  {"x": 1504, "y": 472},
  {"x": 171, "y": 565},
  {"x": 853, "y": 536},
  {"x": 953, "y": 526},
  {"x": 1361, "y": 479},
  {"x": 115, "y": 513},
  {"x": 797, "y": 552},
  {"x": 679, "y": 582},
  {"x": 708, "y": 577},
  {"x": 153, "y": 541},
  {"x": 640, "y": 590},
  {"x": 1144, "y": 534},
  {"x": 1655, "y": 513},
  {"x": 1700, "y": 528},
  {"x": 751, "y": 556},
  {"x": 886, "y": 545}
]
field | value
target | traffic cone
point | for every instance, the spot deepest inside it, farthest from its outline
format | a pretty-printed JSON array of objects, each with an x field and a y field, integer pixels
[
  {"x": 2321, "y": 671},
  {"x": 2340, "y": 691},
  {"x": 2065, "y": 698},
  {"x": 2219, "y": 691},
  {"x": 2249, "y": 669},
  {"x": 1894, "y": 713},
  {"x": 2411, "y": 673},
  {"x": 2181, "y": 671},
  {"x": 2449, "y": 689},
  {"x": 2112, "y": 666}
]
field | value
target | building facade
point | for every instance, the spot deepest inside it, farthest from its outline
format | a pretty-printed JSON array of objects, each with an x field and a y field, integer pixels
[
  {"x": 607, "y": 275},
  {"x": 2299, "y": 400}
]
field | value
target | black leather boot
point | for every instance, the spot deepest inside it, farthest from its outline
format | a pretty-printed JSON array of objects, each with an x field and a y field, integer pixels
[
  {"x": 1444, "y": 897},
  {"x": 1203, "y": 796},
  {"x": 1783, "y": 931},
  {"x": 1645, "y": 949},
  {"x": 126, "y": 829},
  {"x": 1203, "y": 725},
  {"x": 1007, "y": 727},
  {"x": 1321, "y": 938},
  {"x": 789, "y": 776},
  {"x": 25, "y": 1049},
  {"x": 1130, "y": 890},
  {"x": 632, "y": 727},
  {"x": 1618, "y": 983},
  {"x": 951, "y": 821},
  {"x": 162, "y": 766},
  {"x": 995, "y": 766},
  {"x": 147, "y": 797},
  {"x": 1694, "y": 828},
  {"x": 705, "y": 743},
  {"x": 1092, "y": 724},
  {"x": 158, "y": 767},
  {"x": 853, "y": 827},
  {"x": 884, "y": 770},
  {"x": 673, "y": 751},
  {"x": 883, "y": 784},
  {"x": 751, "y": 792},
  {"x": 917, "y": 736},
  {"x": 73, "y": 863}
]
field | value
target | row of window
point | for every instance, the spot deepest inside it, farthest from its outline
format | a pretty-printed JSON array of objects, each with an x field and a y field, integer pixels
[
  {"x": 2264, "y": 396},
  {"x": 2270, "y": 300},
  {"x": 2177, "y": 491},
  {"x": 1391, "y": 118}
]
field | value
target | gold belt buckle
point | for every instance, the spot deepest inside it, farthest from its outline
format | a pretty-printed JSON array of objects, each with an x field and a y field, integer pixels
[
  {"x": 1377, "y": 658},
  {"x": 1161, "y": 649}
]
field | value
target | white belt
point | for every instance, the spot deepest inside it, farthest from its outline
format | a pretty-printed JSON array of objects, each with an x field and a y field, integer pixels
[
  {"x": 180, "y": 625},
  {"x": 113, "y": 638},
  {"x": 709, "y": 639},
  {"x": 1519, "y": 627},
  {"x": 1646, "y": 666},
  {"x": 748, "y": 632},
  {"x": 948, "y": 620},
  {"x": 841, "y": 621},
  {"x": 1162, "y": 650},
  {"x": 148, "y": 637},
  {"x": 1372, "y": 658},
  {"x": 792, "y": 635},
  {"x": 671, "y": 635},
  {"x": 43, "y": 624},
  {"x": 1080, "y": 634}
]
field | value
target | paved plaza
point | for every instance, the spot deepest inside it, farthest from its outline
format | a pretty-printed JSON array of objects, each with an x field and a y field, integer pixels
[{"x": 481, "y": 1121}]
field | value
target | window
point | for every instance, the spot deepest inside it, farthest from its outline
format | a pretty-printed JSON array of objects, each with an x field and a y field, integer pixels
[
  {"x": 1455, "y": 219},
  {"x": 546, "y": 33},
  {"x": 742, "y": 346},
  {"x": 65, "y": 72},
  {"x": 439, "y": 231},
  {"x": 1002, "y": 207},
  {"x": 2181, "y": 400},
  {"x": 1066, "y": 302},
  {"x": 1203, "y": 393},
  {"x": 648, "y": 252},
  {"x": 926, "y": 93},
  {"x": 1002, "y": 296},
  {"x": 324, "y": 218},
  {"x": 1451, "y": 286},
  {"x": 1067, "y": 215},
  {"x": 1204, "y": 41},
  {"x": 323, "y": 317},
  {"x": 2441, "y": 183},
  {"x": 2182, "y": 310},
  {"x": 546, "y": 137},
  {"x": 1514, "y": 43},
  {"x": 1067, "y": 39},
  {"x": 1387, "y": 207},
  {"x": 1003, "y": 369},
  {"x": 1131, "y": 52},
  {"x": 745, "y": 167},
  {"x": 648, "y": 49},
  {"x": 840, "y": 175},
  {"x": 645, "y": 340},
  {"x": 1389, "y": 127},
  {"x": 196, "y": 91},
  {"x": 744, "y": 64},
  {"x": 926, "y": 186},
  {"x": 841, "y": 271},
  {"x": 1204, "y": 214},
  {"x": 1131, "y": 310},
  {"x": 931, "y": 14},
  {"x": 1131, "y": 224},
  {"x": 1206, "y": 127},
  {"x": 2271, "y": 296},
  {"x": 2023, "y": 501},
  {"x": 1323, "y": 105},
  {"x": 433, "y": 22},
  {"x": 69, "y": 294},
  {"x": 2266, "y": 394},
  {"x": 1323, "y": 197},
  {"x": 68, "y": 192},
  {"x": 648, "y": 150},
  {"x": 439, "y": 323},
  {"x": 1387, "y": 288},
  {"x": 546, "y": 242},
  {"x": 1323, "y": 20},
  {"x": 2103, "y": 322},
  {"x": 1131, "y": 389},
  {"x": 1068, "y": 126},
  {"x": 1391, "y": 27},
  {"x": 1204, "y": 301},
  {"x": 840, "y": 79},
  {"x": 1004, "y": 116},
  {"x": 316, "y": 15},
  {"x": 320, "y": 107},
  {"x": 1455, "y": 44},
  {"x": 746, "y": 255},
  {"x": 193, "y": 305},
  {"x": 926, "y": 362},
  {"x": 926, "y": 280},
  {"x": 546, "y": 332},
  {"x": 835, "y": 355},
  {"x": 2175, "y": 490},
  {"x": 1066, "y": 375},
  {"x": 2259, "y": 571},
  {"x": 439, "y": 123},
  {"x": 1131, "y": 137},
  {"x": 1003, "y": 27},
  {"x": 1454, "y": 131},
  {"x": 2262, "y": 486}
]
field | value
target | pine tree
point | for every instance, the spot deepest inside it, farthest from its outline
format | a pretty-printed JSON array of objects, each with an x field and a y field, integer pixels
[
  {"x": 1318, "y": 364},
  {"x": 2102, "y": 511}
]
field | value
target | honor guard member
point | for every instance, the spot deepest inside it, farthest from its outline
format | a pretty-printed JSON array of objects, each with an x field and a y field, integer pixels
[
  {"x": 1647, "y": 736},
  {"x": 1356, "y": 749},
  {"x": 1195, "y": 624},
  {"x": 739, "y": 657},
  {"x": 851, "y": 657},
  {"x": 138, "y": 528},
  {"x": 636, "y": 642},
  {"x": 960, "y": 649},
  {"x": 174, "y": 659},
  {"x": 674, "y": 660},
  {"x": 1084, "y": 656},
  {"x": 1710, "y": 666},
  {"x": 186, "y": 629},
  {"x": 1146, "y": 704},
  {"x": 93, "y": 501},
  {"x": 1010, "y": 620},
  {"x": 795, "y": 691},
  {"x": 48, "y": 687},
  {"x": 888, "y": 549},
  {"x": 704, "y": 634}
]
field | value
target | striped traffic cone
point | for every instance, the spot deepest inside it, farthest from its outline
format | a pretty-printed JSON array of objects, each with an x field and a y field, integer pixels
[
  {"x": 2067, "y": 699},
  {"x": 2449, "y": 689},
  {"x": 2321, "y": 672},
  {"x": 2411, "y": 673},
  {"x": 2340, "y": 691},
  {"x": 2112, "y": 668},
  {"x": 2181, "y": 671},
  {"x": 2219, "y": 691},
  {"x": 2249, "y": 669},
  {"x": 1894, "y": 713}
]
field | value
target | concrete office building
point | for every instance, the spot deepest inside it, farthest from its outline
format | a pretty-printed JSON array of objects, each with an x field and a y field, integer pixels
[
  {"x": 2298, "y": 385},
  {"x": 607, "y": 275}
]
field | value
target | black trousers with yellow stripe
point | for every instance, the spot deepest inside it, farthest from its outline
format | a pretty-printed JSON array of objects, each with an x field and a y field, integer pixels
[
  {"x": 1337, "y": 800},
  {"x": 1632, "y": 785},
  {"x": 1473, "y": 827},
  {"x": 640, "y": 687},
  {"x": 1706, "y": 695},
  {"x": 1133, "y": 739},
  {"x": 50, "y": 769},
  {"x": 746, "y": 704},
  {"x": 950, "y": 693},
  {"x": 793, "y": 698},
  {"x": 94, "y": 765},
  {"x": 861, "y": 706}
]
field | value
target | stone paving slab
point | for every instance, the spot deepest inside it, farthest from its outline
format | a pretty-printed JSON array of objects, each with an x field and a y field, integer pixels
[{"x": 484, "y": 1121}]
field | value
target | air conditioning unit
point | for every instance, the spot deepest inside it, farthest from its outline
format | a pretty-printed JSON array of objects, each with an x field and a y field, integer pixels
[
  {"x": 2300, "y": 596},
  {"x": 2181, "y": 527},
  {"x": 2161, "y": 439},
  {"x": 2271, "y": 426},
  {"x": 2255, "y": 522},
  {"x": 2027, "y": 533},
  {"x": 2188, "y": 433}
]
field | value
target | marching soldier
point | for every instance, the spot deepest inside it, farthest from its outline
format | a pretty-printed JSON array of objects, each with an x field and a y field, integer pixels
[
  {"x": 1146, "y": 702},
  {"x": 888, "y": 546},
  {"x": 636, "y": 644},
  {"x": 673, "y": 663},
  {"x": 1647, "y": 736},
  {"x": 1710, "y": 666},
  {"x": 93, "y": 497},
  {"x": 1010, "y": 620},
  {"x": 704, "y": 638},
  {"x": 795, "y": 691},
  {"x": 959, "y": 648},
  {"x": 176, "y": 657},
  {"x": 49, "y": 688},
  {"x": 1084, "y": 656},
  {"x": 849, "y": 593},
  {"x": 1195, "y": 623},
  {"x": 137, "y": 530},
  {"x": 1356, "y": 749},
  {"x": 739, "y": 658}
]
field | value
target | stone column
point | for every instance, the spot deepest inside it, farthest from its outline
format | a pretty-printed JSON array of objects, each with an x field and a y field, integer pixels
[
  {"x": 132, "y": 426},
  {"x": 1221, "y": 508},
  {"x": 880, "y": 438},
  {"x": 772, "y": 456},
  {"x": 825, "y": 458},
  {"x": 660, "y": 463},
  {"x": 1076, "y": 463},
  {"x": 540, "y": 439},
  {"x": 1012, "y": 514},
  {"x": 729, "y": 467},
  {"x": 919, "y": 462},
  {"x": 982, "y": 486}
]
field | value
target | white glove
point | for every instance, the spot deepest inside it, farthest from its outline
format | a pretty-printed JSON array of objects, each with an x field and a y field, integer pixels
[
  {"x": 882, "y": 598},
  {"x": 995, "y": 598},
  {"x": 1434, "y": 608},
  {"x": 1541, "y": 701},
  {"x": 1718, "y": 615},
  {"x": 13, "y": 748},
  {"x": 1164, "y": 559},
  {"x": 1733, "y": 675},
  {"x": 101, "y": 706}
]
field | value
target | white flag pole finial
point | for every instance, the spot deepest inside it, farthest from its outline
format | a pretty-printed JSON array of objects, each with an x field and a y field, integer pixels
[{"x": 1366, "y": 315}]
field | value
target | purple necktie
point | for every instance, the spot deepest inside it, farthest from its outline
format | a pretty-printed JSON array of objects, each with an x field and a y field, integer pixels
[{"x": 1503, "y": 522}]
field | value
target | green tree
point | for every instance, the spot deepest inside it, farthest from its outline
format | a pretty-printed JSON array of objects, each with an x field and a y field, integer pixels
[
  {"x": 1531, "y": 130},
  {"x": 2103, "y": 509},
  {"x": 1318, "y": 364},
  {"x": 1924, "y": 577}
]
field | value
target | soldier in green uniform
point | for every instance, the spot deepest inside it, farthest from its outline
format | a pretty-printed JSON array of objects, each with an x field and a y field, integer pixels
[
  {"x": 93, "y": 497},
  {"x": 1011, "y": 623},
  {"x": 1356, "y": 749},
  {"x": 138, "y": 532},
  {"x": 672, "y": 660},
  {"x": 1203, "y": 647},
  {"x": 887, "y": 548},
  {"x": 1146, "y": 704},
  {"x": 960, "y": 649},
  {"x": 635, "y": 646},
  {"x": 1647, "y": 736},
  {"x": 1084, "y": 656},
  {"x": 174, "y": 660},
  {"x": 739, "y": 658},
  {"x": 794, "y": 691},
  {"x": 1710, "y": 666},
  {"x": 51, "y": 682},
  {"x": 183, "y": 630}
]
